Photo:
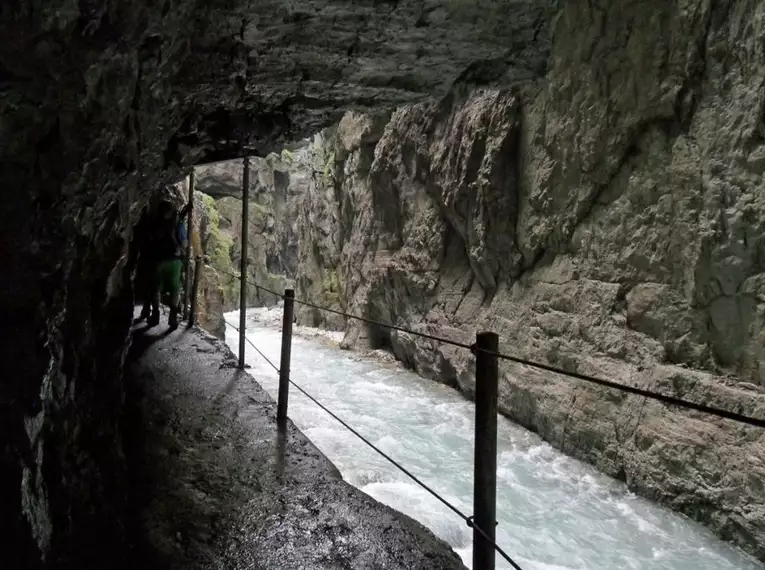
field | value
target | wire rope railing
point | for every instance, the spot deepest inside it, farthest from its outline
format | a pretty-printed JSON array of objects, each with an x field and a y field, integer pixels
[
  {"x": 469, "y": 520},
  {"x": 233, "y": 275},
  {"x": 263, "y": 356},
  {"x": 658, "y": 396},
  {"x": 487, "y": 354}
]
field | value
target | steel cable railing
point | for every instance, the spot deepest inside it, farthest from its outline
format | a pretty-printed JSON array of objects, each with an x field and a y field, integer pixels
[
  {"x": 474, "y": 349},
  {"x": 666, "y": 399},
  {"x": 479, "y": 351},
  {"x": 467, "y": 519},
  {"x": 672, "y": 400}
]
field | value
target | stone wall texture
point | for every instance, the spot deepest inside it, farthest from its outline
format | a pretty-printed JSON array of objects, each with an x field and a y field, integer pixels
[
  {"x": 101, "y": 103},
  {"x": 607, "y": 217}
]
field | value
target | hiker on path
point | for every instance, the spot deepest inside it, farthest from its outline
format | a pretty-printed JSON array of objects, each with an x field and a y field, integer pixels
[{"x": 168, "y": 246}]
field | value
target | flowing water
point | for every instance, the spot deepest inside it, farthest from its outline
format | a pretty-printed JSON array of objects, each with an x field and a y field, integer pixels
[{"x": 554, "y": 512}]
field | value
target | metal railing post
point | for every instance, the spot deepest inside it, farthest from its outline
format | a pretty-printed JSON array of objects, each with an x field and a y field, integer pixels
[
  {"x": 243, "y": 264},
  {"x": 284, "y": 366},
  {"x": 194, "y": 292},
  {"x": 187, "y": 261},
  {"x": 485, "y": 476}
]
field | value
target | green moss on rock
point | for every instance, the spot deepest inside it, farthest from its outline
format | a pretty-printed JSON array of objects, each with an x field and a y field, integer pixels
[
  {"x": 219, "y": 248},
  {"x": 328, "y": 174},
  {"x": 331, "y": 288}
]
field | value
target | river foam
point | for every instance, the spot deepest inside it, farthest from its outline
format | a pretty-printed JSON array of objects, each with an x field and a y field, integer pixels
[{"x": 554, "y": 512}]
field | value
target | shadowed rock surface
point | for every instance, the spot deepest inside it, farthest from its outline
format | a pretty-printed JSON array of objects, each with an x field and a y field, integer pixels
[
  {"x": 591, "y": 188},
  {"x": 218, "y": 486},
  {"x": 100, "y": 104}
]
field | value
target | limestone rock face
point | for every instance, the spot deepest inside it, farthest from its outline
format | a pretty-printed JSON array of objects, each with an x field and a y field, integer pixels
[
  {"x": 608, "y": 218},
  {"x": 211, "y": 302},
  {"x": 220, "y": 179},
  {"x": 101, "y": 104},
  {"x": 275, "y": 183}
]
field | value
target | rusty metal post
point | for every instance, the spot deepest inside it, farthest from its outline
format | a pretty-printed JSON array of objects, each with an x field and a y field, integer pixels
[
  {"x": 284, "y": 366},
  {"x": 485, "y": 476},
  {"x": 187, "y": 260},
  {"x": 243, "y": 264},
  {"x": 195, "y": 291}
]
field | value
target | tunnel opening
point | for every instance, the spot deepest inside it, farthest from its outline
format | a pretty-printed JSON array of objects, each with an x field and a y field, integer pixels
[{"x": 218, "y": 226}]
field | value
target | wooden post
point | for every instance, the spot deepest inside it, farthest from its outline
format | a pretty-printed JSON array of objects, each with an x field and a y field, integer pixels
[
  {"x": 485, "y": 476},
  {"x": 243, "y": 263},
  {"x": 194, "y": 292},
  {"x": 187, "y": 261},
  {"x": 284, "y": 366}
]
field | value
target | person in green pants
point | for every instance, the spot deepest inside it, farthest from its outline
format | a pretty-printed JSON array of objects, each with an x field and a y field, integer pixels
[{"x": 169, "y": 243}]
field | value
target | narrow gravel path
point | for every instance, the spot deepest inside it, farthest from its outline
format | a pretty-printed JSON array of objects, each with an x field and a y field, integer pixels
[{"x": 218, "y": 487}]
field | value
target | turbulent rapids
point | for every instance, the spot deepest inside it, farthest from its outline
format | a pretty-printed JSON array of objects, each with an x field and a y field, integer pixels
[{"x": 554, "y": 512}]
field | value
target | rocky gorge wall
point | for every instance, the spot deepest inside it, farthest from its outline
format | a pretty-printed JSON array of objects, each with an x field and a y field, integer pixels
[
  {"x": 286, "y": 231},
  {"x": 608, "y": 218},
  {"x": 101, "y": 104},
  {"x": 79, "y": 112},
  {"x": 276, "y": 181}
]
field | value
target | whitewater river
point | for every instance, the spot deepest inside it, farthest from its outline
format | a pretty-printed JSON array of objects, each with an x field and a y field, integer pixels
[{"x": 554, "y": 512}]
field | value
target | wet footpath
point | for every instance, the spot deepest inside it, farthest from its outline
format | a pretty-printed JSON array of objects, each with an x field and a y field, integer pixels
[{"x": 217, "y": 486}]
